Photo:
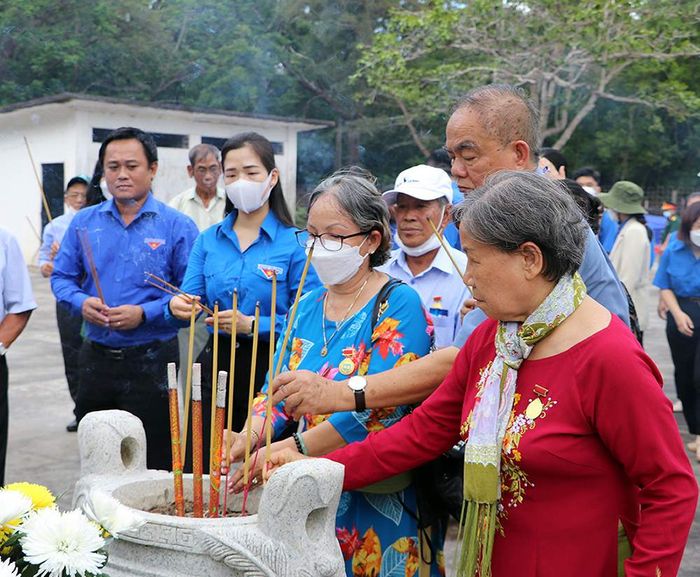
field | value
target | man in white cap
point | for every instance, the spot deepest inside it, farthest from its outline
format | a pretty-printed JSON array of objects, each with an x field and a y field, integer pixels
[{"x": 420, "y": 193}]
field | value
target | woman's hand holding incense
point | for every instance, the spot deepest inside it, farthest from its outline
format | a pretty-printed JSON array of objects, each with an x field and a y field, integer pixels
[
  {"x": 243, "y": 322},
  {"x": 305, "y": 392},
  {"x": 280, "y": 458},
  {"x": 181, "y": 306}
]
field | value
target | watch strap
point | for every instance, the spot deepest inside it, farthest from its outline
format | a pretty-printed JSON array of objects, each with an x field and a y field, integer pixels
[{"x": 360, "y": 401}]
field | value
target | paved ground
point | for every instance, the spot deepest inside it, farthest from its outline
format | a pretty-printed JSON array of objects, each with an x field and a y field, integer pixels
[{"x": 40, "y": 450}]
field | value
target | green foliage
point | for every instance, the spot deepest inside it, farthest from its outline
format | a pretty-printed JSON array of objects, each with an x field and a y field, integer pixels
[{"x": 617, "y": 82}]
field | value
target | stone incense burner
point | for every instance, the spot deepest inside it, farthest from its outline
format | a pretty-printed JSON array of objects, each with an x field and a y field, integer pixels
[{"x": 290, "y": 530}]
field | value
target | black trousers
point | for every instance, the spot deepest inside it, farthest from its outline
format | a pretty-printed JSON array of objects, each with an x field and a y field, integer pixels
[
  {"x": 69, "y": 326},
  {"x": 241, "y": 388},
  {"x": 4, "y": 416},
  {"x": 135, "y": 381},
  {"x": 685, "y": 352}
]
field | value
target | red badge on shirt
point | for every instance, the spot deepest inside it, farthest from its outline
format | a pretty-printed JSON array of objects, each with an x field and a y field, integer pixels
[
  {"x": 154, "y": 243},
  {"x": 268, "y": 270}
]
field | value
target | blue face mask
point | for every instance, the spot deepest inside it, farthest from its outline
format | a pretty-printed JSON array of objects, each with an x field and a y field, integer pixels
[
  {"x": 542, "y": 170},
  {"x": 668, "y": 213}
]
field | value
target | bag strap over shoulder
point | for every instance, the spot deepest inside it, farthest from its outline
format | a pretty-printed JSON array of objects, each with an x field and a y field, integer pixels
[{"x": 383, "y": 297}]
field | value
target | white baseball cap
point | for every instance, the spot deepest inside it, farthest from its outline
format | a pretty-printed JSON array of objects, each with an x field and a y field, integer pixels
[{"x": 422, "y": 182}]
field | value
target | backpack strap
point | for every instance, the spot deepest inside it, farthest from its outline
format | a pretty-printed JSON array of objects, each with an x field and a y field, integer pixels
[{"x": 383, "y": 297}]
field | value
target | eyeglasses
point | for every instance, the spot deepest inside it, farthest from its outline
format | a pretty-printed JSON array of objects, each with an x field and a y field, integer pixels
[
  {"x": 331, "y": 242},
  {"x": 76, "y": 195},
  {"x": 203, "y": 171}
]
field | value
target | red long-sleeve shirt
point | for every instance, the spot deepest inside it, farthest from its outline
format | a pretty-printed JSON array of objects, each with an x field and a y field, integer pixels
[{"x": 603, "y": 446}]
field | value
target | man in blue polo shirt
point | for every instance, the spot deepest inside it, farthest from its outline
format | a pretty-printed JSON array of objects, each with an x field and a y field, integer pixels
[{"x": 128, "y": 343}]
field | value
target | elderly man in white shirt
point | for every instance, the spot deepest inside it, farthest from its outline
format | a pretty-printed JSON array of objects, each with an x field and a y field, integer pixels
[
  {"x": 204, "y": 203},
  {"x": 420, "y": 193}
]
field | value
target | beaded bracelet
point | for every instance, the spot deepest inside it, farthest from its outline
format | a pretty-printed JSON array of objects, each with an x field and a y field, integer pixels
[{"x": 299, "y": 442}]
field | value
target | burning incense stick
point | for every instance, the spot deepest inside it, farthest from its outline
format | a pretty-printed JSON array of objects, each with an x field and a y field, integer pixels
[
  {"x": 444, "y": 245},
  {"x": 197, "y": 465},
  {"x": 175, "y": 440},
  {"x": 87, "y": 249},
  {"x": 188, "y": 380},
  {"x": 214, "y": 371},
  {"x": 229, "y": 415},
  {"x": 38, "y": 181},
  {"x": 215, "y": 468},
  {"x": 251, "y": 394},
  {"x": 175, "y": 291},
  {"x": 292, "y": 314},
  {"x": 271, "y": 366}
]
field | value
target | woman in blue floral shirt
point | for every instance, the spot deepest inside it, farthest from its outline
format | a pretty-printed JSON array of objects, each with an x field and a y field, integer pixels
[{"x": 357, "y": 324}]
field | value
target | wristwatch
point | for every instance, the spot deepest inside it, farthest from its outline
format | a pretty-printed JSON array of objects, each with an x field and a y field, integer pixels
[
  {"x": 3, "y": 350},
  {"x": 357, "y": 385}
]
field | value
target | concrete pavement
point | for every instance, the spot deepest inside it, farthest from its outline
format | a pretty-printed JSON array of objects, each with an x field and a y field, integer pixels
[{"x": 41, "y": 451}]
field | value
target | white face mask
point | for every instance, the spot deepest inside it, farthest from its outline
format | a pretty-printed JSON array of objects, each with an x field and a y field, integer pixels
[
  {"x": 694, "y": 237},
  {"x": 69, "y": 210},
  {"x": 248, "y": 195},
  {"x": 105, "y": 189},
  {"x": 336, "y": 266},
  {"x": 431, "y": 244}
]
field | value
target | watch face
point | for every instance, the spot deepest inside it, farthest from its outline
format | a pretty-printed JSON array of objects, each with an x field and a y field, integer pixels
[{"x": 357, "y": 383}]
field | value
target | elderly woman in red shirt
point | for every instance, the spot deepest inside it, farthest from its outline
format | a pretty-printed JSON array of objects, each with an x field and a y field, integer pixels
[{"x": 568, "y": 433}]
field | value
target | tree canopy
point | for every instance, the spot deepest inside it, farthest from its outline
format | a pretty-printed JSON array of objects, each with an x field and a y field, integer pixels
[{"x": 616, "y": 81}]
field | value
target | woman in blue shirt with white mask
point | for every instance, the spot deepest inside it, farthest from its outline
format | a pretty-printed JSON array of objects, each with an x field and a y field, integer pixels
[{"x": 254, "y": 239}]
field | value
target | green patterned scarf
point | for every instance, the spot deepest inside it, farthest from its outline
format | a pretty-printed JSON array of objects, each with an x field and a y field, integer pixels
[{"x": 487, "y": 426}]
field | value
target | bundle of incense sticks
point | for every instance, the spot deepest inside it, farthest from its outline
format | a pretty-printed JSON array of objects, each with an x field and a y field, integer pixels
[
  {"x": 87, "y": 250},
  {"x": 175, "y": 440},
  {"x": 215, "y": 468},
  {"x": 251, "y": 395},
  {"x": 188, "y": 380},
  {"x": 214, "y": 371},
  {"x": 229, "y": 414},
  {"x": 197, "y": 456},
  {"x": 270, "y": 370}
]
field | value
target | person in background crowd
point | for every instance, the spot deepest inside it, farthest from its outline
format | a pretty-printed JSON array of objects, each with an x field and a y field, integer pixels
[
  {"x": 421, "y": 193},
  {"x": 631, "y": 252},
  {"x": 552, "y": 163},
  {"x": 254, "y": 240},
  {"x": 128, "y": 343},
  {"x": 589, "y": 178},
  {"x": 69, "y": 324},
  {"x": 440, "y": 159},
  {"x": 16, "y": 306},
  {"x": 678, "y": 277},
  {"x": 205, "y": 202},
  {"x": 673, "y": 222},
  {"x": 494, "y": 127},
  {"x": 553, "y": 476},
  {"x": 354, "y": 326},
  {"x": 97, "y": 190},
  {"x": 590, "y": 205}
]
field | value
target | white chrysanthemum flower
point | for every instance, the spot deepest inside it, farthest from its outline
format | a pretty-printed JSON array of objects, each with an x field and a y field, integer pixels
[
  {"x": 13, "y": 506},
  {"x": 8, "y": 569},
  {"x": 62, "y": 543},
  {"x": 105, "y": 510}
]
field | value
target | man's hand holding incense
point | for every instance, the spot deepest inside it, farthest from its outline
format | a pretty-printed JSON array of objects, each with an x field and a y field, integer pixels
[
  {"x": 305, "y": 392},
  {"x": 125, "y": 317},
  {"x": 95, "y": 311},
  {"x": 257, "y": 465}
]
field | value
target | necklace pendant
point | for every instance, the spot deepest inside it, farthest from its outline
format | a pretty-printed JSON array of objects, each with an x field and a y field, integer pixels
[{"x": 324, "y": 351}]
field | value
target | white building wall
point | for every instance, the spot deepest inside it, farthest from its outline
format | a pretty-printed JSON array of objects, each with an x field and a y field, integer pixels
[{"x": 62, "y": 133}]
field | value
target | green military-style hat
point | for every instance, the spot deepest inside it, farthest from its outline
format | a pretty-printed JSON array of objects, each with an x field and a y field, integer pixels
[{"x": 624, "y": 197}]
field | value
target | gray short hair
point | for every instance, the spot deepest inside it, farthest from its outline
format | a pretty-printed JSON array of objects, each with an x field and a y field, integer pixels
[
  {"x": 506, "y": 112},
  {"x": 201, "y": 151},
  {"x": 513, "y": 207},
  {"x": 357, "y": 196}
]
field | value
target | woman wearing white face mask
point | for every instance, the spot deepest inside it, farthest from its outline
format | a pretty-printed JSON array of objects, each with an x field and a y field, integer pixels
[
  {"x": 678, "y": 278},
  {"x": 240, "y": 253},
  {"x": 354, "y": 326}
]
